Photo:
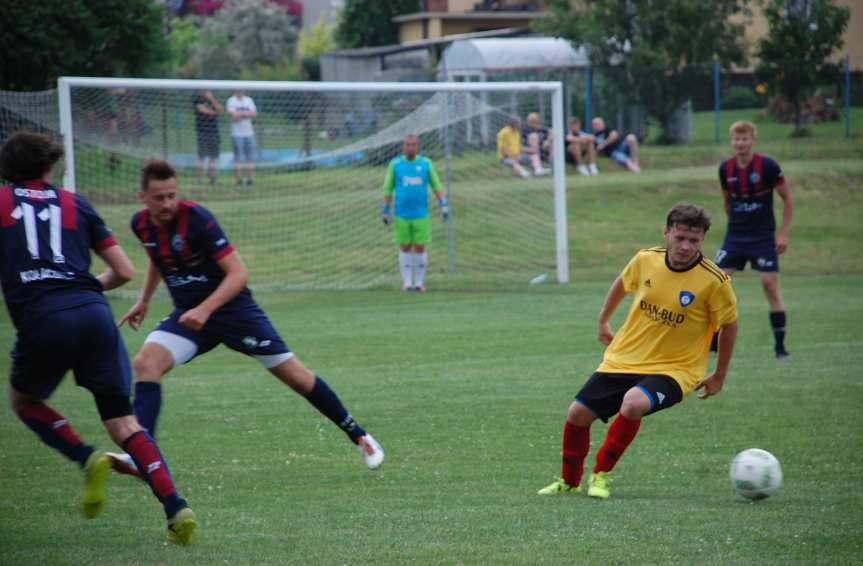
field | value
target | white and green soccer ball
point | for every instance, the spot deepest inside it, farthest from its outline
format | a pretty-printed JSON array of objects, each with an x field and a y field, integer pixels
[{"x": 755, "y": 474}]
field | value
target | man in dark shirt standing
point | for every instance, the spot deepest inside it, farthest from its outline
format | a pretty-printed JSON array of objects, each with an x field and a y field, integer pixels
[
  {"x": 207, "y": 112},
  {"x": 748, "y": 181}
]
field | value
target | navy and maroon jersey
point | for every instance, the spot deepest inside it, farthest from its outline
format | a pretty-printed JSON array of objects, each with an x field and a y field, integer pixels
[
  {"x": 186, "y": 253},
  {"x": 46, "y": 234},
  {"x": 751, "y": 192}
]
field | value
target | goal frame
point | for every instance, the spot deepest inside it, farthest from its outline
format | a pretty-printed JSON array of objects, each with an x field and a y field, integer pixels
[{"x": 555, "y": 88}]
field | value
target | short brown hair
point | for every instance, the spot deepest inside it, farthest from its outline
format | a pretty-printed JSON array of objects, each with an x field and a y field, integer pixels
[
  {"x": 743, "y": 127},
  {"x": 688, "y": 215},
  {"x": 157, "y": 169},
  {"x": 27, "y": 155}
]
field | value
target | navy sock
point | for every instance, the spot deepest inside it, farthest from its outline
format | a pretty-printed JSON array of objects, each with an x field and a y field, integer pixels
[
  {"x": 53, "y": 429},
  {"x": 147, "y": 404},
  {"x": 777, "y": 322},
  {"x": 327, "y": 402}
]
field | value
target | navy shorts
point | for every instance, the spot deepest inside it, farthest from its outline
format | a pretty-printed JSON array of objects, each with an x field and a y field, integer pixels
[
  {"x": 246, "y": 330},
  {"x": 603, "y": 393},
  {"x": 209, "y": 144},
  {"x": 760, "y": 253},
  {"x": 83, "y": 339}
]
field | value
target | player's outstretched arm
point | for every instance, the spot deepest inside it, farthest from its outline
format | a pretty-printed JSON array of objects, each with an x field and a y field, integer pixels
[
  {"x": 135, "y": 316},
  {"x": 236, "y": 277},
  {"x": 712, "y": 385},
  {"x": 120, "y": 269},
  {"x": 612, "y": 299}
]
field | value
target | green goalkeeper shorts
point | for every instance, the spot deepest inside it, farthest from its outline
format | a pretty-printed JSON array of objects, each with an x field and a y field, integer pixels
[{"x": 416, "y": 231}]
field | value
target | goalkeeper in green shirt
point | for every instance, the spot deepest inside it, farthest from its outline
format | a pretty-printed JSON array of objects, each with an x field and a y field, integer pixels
[{"x": 409, "y": 177}]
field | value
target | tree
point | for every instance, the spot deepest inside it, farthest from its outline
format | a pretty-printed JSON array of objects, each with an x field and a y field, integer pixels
[
  {"x": 183, "y": 38},
  {"x": 793, "y": 55},
  {"x": 312, "y": 45},
  {"x": 47, "y": 39},
  {"x": 366, "y": 24},
  {"x": 653, "y": 52},
  {"x": 245, "y": 34}
]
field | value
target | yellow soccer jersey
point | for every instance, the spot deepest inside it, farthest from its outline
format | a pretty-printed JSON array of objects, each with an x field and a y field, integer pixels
[{"x": 672, "y": 318}]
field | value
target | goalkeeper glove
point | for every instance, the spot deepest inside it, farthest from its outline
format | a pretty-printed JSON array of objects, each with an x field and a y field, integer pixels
[
  {"x": 385, "y": 214},
  {"x": 444, "y": 209}
]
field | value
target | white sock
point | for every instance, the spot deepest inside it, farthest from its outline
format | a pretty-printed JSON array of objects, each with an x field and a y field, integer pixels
[
  {"x": 406, "y": 267},
  {"x": 420, "y": 263}
]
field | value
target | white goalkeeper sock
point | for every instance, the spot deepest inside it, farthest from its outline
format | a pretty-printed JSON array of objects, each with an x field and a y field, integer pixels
[
  {"x": 406, "y": 267},
  {"x": 420, "y": 263}
]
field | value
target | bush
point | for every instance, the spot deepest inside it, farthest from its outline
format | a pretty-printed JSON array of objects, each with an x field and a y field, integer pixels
[{"x": 740, "y": 97}]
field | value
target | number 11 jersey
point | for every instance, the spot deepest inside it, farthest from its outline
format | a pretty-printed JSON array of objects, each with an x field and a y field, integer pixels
[{"x": 46, "y": 234}]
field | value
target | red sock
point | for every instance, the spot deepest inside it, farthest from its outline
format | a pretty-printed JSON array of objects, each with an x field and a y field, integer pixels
[
  {"x": 620, "y": 434},
  {"x": 576, "y": 444},
  {"x": 148, "y": 459},
  {"x": 55, "y": 431}
]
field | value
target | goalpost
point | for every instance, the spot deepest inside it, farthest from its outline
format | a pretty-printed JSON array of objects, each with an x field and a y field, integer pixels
[{"x": 311, "y": 219}]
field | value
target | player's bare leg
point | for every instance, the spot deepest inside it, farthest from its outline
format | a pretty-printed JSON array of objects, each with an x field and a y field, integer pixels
[{"x": 294, "y": 374}]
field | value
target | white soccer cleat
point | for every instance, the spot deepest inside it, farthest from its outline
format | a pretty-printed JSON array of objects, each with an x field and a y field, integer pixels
[
  {"x": 592, "y": 168},
  {"x": 373, "y": 454},
  {"x": 524, "y": 174},
  {"x": 122, "y": 463},
  {"x": 583, "y": 170},
  {"x": 541, "y": 171}
]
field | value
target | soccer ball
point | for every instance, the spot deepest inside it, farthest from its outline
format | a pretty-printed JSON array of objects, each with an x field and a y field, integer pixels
[{"x": 755, "y": 474}]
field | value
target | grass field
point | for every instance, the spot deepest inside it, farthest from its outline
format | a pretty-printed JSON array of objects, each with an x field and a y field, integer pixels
[{"x": 467, "y": 390}]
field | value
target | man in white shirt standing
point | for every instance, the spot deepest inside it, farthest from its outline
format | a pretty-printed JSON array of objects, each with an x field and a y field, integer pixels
[{"x": 242, "y": 109}]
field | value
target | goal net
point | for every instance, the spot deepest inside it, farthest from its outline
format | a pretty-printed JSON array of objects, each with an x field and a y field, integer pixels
[{"x": 311, "y": 219}]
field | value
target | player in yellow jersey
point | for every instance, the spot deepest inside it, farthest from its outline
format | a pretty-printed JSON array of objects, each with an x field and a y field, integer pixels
[{"x": 660, "y": 353}]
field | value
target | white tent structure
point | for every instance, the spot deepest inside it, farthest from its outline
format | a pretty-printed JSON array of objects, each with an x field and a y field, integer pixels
[
  {"x": 479, "y": 59},
  {"x": 508, "y": 59}
]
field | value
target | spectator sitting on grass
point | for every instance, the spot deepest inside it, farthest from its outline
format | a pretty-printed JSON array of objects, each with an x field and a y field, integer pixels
[
  {"x": 579, "y": 142},
  {"x": 511, "y": 152},
  {"x": 622, "y": 151},
  {"x": 537, "y": 140}
]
